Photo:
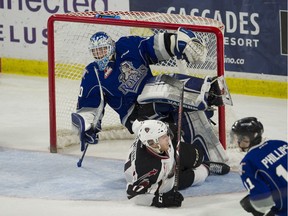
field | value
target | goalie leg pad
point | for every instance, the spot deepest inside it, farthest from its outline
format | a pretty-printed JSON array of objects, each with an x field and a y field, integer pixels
[
  {"x": 198, "y": 130},
  {"x": 89, "y": 136},
  {"x": 204, "y": 128},
  {"x": 195, "y": 95},
  {"x": 190, "y": 134},
  {"x": 79, "y": 123}
]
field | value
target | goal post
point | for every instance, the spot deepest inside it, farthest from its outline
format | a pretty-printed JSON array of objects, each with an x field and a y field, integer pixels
[{"x": 68, "y": 38}]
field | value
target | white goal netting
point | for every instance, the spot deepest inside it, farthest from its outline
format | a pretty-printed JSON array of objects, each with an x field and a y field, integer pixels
[{"x": 68, "y": 38}]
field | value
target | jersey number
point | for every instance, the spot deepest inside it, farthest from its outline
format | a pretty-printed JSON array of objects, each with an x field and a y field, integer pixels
[
  {"x": 280, "y": 171},
  {"x": 248, "y": 184}
]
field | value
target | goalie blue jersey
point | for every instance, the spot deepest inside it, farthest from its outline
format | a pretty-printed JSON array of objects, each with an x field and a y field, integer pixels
[
  {"x": 123, "y": 79},
  {"x": 264, "y": 174}
]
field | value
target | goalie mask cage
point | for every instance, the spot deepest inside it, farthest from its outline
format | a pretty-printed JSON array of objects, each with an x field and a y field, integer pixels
[{"x": 68, "y": 54}]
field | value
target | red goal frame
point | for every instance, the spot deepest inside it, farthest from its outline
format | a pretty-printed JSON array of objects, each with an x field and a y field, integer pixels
[{"x": 89, "y": 18}]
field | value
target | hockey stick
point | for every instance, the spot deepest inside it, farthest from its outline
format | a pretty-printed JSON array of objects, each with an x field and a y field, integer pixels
[
  {"x": 96, "y": 117},
  {"x": 180, "y": 86},
  {"x": 101, "y": 104},
  {"x": 79, "y": 163}
]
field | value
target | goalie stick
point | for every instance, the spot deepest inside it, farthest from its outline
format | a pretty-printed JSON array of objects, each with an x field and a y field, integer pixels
[
  {"x": 96, "y": 117},
  {"x": 180, "y": 86}
]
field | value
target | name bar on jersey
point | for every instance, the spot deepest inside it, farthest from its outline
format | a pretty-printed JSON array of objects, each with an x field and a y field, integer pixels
[{"x": 274, "y": 156}]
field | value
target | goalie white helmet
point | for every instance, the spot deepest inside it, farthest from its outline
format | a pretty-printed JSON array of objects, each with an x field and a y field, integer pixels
[
  {"x": 102, "y": 48},
  {"x": 150, "y": 132}
]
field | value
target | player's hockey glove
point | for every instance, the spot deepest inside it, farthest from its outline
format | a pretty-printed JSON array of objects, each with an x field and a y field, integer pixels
[
  {"x": 270, "y": 213},
  {"x": 189, "y": 47},
  {"x": 89, "y": 136},
  {"x": 247, "y": 206},
  {"x": 136, "y": 189},
  {"x": 169, "y": 199}
]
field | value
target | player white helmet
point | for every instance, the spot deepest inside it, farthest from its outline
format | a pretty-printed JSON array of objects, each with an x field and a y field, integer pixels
[
  {"x": 150, "y": 131},
  {"x": 102, "y": 48}
]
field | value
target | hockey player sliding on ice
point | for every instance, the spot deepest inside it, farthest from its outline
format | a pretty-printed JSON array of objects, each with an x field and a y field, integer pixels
[
  {"x": 264, "y": 169},
  {"x": 120, "y": 72},
  {"x": 149, "y": 168}
]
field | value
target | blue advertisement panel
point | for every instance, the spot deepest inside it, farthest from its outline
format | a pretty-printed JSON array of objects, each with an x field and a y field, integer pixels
[
  {"x": 23, "y": 23},
  {"x": 255, "y": 35}
]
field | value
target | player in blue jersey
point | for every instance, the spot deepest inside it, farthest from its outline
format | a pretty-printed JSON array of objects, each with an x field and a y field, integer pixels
[
  {"x": 119, "y": 73},
  {"x": 263, "y": 169}
]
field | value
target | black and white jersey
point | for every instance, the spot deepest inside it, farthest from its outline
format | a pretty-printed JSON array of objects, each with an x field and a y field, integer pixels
[{"x": 148, "y": 173}]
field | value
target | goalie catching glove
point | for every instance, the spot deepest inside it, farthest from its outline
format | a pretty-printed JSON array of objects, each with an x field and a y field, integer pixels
[
  {"x": 87, "y": 133},
  {"x": 189, "y": 47},
  {"x": 169, "y": 199}
]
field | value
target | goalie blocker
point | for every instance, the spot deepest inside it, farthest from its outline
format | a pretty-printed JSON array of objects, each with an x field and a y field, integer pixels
[{"x": 200, "y": 95}]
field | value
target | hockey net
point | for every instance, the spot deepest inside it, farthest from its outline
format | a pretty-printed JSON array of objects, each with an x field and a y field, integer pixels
[{"x": 68, "y": 38}]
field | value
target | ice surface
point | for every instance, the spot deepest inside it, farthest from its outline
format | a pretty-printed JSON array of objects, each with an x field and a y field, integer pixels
[
  {"x": 27, "y": 169},
  {"x": 56, "y": 176}
]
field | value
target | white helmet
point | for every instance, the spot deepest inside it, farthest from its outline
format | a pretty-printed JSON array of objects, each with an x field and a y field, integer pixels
[
  {"x": 150, "y": 131},
  {"x": 102, "y": 48}
]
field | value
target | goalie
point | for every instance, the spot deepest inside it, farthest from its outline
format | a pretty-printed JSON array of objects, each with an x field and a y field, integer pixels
[{"x": 119, "y": 73}]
